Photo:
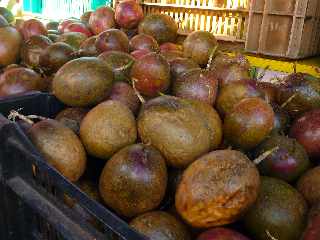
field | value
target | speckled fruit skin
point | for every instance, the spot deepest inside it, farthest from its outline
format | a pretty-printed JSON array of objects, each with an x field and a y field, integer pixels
[
  {"x": 280, "y": 211},
  {"x": 71, "y": 118},
  {"x": 171, "y": 55},
  {"x": 55, "y": 56},
  {"x": 112, "y": 39},
  {"x": 198, "y": 46},
  {"x": 221, "y": 234},
  {"x": 249, "y": 123},
  {"x": 217, "y": 189},
  {"x": 170, "y": 47},
  {"x": 134, "y": 180},
  {"x": 10, "y": 45},
  {"x": 60, "y": 147},
  {"x": 71, "y": 86},
  {"x": 309, "y": 186},
  {"x": 85, "y": 17},
  {"x": 32, "y": 27},
  {"x": 196, "y": 84},
  {"x": 107, "y": 128},
  {"x": 288, "y": 162},
  {"x": 230, "y": 68},
  {"x": 32, "y": 49},
  {"x": 312, "y": 231},
  {"x": 143, "y": 42},
  {"x": 306, "y": 130},
  {"x": 160, "y": 26},
  {"x": 160, "y": 225},
  {"x": 138, "y": 54},
  {"x": 88, "y": 48},
  {"x": 64, "y": 24},
  {"x": 231, "y": 94},
  {"x": 282, "y": 120},
  {"x": 128, "y": 14},
  {"x": 181, "y": 65},
  {"x": 20, "y": 80},
  {"x": 123, "y": 92},
  {"x": 151, "y": 74},
  {"x": 303, "y": 90},
  {"x": 78, "y": 27},
  {"x": 74, "y": 39},
  {"x": 175, "y": 128},
  {"x": 101, "y": 20},
  {"x": 119, "y": 62}
]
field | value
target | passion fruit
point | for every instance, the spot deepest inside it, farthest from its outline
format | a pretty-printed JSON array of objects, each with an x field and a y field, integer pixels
[
  {"x": 309, "y": 186},
  {"x": 82, "y": 82},
  {"x": 102, "y": 19},
  {"x": 60, "y": 147},
  {"x": 143, "y": 42},
  {"x": 151, "y": 74},
  {"x": 128, "y": 14},
  {"x": 248, "y": 123},
  {"x": 288, "y": 160},
  {"x": 74, "y": 39},
  {"x": 88, "y": 47},
  {"x": 217, "y": 189},
  {"x": 160, "y": 226},
  {"x": 107, "y": 128},
  {"x": 85, "y": 17},
  {"x": 199, "y": 45},
  {"x": 55, "y": 56},
  {"x": 33, "y": 48},
  {"x": 175, "y": 128},
  {"x": 71, "y": 118},
  {"x": 221, "y": 234},
  {"x": 134, "y": 180},
  {"x": 112, "y": 40},
  {"x": 196, "y": 84},
  {"x": 120, "y": 63},
  {"x": 181, "y": 65},
  {"x": 160, "y": 26},
  {"x": 10, "y": 44},
  {"x": 32, "y": 27}
]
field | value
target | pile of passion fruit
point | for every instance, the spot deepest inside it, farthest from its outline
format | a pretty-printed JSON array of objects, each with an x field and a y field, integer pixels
[{"x": 173, "y": 135}]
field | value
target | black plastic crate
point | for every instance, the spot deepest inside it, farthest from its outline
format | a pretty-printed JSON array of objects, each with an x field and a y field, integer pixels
[{"x": 32, "y": 193}]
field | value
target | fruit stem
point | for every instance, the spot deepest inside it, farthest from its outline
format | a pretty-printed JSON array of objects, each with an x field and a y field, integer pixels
[
  {"x": 264, "y": 155},
  {"x": 15, "y": 114},
  {"x": 269, "y": 235},
  {"x": 213, "y": 51},
  {"x": 142, "y": 100},
  {"x": 289, "y": 100}
]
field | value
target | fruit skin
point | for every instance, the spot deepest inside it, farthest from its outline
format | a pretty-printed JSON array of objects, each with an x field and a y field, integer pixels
[
  {"x": 199, "y": 46},
  {"x": 269, "y": 91},
  {"x": 212, "y": 120},
  {"x": 221, "y": 234},
  {"x": 53, "y": 25},
  {"x": 282, "y": 119},
  {"x": 32, "y": 49},
  {"x": 74, "y": 39},
  {"x": 205, "y": 196},
  {"x": 231, "y": 94},
  {"x": 151, "y": 74},
  {"x": 71, "y": 86},
  {"x": 181, "y": 65},
  {"x": 55, "y": 56},
  {"x": 107, "y": 128},
  {"x": 123, "y": 92},
  {"x": 78, "y": 27},
  {"x": 32, "y": 27},
  {"x": 288, "y": 163},
  {"x": 88, "y": 47},
  {"x": 230, "y": 69},
  {"x": 171, "y": 55},
  {"x": 306, "y": 91},
  {"x": 309, "y": 186},
  {"x": 175, "y": 128},
  {"x": 249, "y": 123},
  {"x": 71, "y": 118},
  {"x": 64, "y": 24},
  {"x": 134, "y": 180},
  {"x": 160, "y": 225},
  {"x": 279, "y": 209},
  {"x": 160, "y": 26},
  {"x": 10, "y": 44},
  {"x": 101, "y": 20},
  {"x": 170, "y": 47},
  {"x": 3, "y": 22},
  {"x": 306, "y": 130},
  {"x": 196, "y": 84},
  {"x": 143, "y": 42},
  {"x": 119, "y": 62},
  {"x": 20, "y": 80},
  {"x": 138, "y": 54},
  {"x": 7, "y": 14},
  {"x": 85, "y": 17},
  {"x": 112, "y": 39},
  {"x": 312, "y": 231},
  {"x": 53, "y": 37},
  {"x": 60, "y": 147},
  {"x": 128, "y": 14}
]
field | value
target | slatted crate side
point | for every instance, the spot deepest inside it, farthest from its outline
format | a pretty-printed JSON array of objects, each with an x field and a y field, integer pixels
[{"x": 281, "y": 31}]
